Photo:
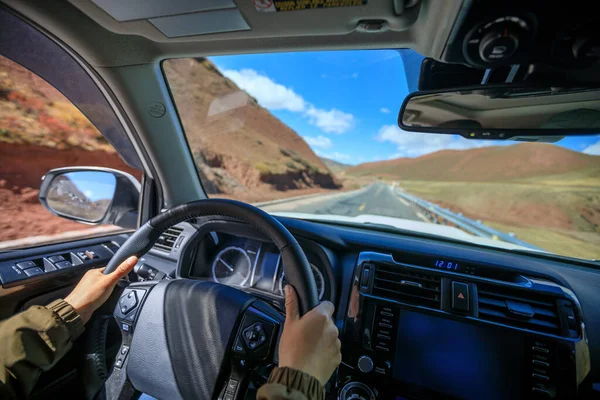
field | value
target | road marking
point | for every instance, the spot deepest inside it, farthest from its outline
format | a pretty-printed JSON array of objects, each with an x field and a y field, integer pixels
[
  {"x": 424, "y": 218},
  {"x": 362, "y": 206},
  {"x": 403, "y": 201},
  {"x": 379, "y": 190}
]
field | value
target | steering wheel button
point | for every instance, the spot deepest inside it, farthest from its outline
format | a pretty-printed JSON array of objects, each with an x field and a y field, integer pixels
[
  {"x": 232, "y": 386},
  {"x": 238, "y": 348},
  {"x": 128, "y": 302},
  {"x": 258, "y": 327}
]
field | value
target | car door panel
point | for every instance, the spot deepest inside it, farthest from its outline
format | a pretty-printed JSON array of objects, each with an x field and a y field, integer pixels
[{"x": 19, "y": 290}]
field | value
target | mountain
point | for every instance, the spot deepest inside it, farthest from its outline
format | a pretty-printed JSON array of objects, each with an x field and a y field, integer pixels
[
  {"x": 335, "y": 166},
  {"x": 495, "y": 163},
  {"x": 237, "y": 144}
]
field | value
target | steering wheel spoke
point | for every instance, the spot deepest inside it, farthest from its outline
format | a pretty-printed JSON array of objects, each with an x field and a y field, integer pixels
[{"x": 254, "y": 346}]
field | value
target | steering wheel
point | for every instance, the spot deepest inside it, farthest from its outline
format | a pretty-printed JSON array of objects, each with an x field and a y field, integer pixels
[{"x": 193, "y": 339}]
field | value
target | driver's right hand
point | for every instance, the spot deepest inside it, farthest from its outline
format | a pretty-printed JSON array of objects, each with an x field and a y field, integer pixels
[{"x": 309, "y": 343}]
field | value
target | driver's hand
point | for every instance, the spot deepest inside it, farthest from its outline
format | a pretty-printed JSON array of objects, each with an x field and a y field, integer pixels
[
  {"x": 309, "y": 344},
  {"x": 95, "y": 288}
]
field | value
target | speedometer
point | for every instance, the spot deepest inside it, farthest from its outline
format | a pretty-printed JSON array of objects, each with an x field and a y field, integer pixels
[
  {"x": 232, "y": 266},
  {"x": 320, "y": 281}
]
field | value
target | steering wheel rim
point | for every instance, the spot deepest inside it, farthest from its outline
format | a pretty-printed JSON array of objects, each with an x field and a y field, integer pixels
[{"x": 295, "y": 264}]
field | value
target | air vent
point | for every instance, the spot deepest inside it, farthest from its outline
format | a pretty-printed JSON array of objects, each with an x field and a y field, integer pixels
[
  {"x": 519, "y": 309},
  {"x": 166, "y": 241},
  {"x": 407, "y": 286}
]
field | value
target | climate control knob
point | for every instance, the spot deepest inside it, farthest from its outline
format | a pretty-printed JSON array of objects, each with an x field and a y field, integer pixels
[{"x": 365, "y": 364}]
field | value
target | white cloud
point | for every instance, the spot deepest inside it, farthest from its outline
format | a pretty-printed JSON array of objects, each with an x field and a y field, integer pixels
[
  {"x": 337, "y": 156},
  {"x": 318, "y": 141},
  {"x": 275, "y": 96},
  {"x": 269, "y": 94},
  {"x": 385, "y": 110},
  {"x": 415, "y": 144},
  {"x": 332, "y": 121},
  {"x": 593, "y": 149}
]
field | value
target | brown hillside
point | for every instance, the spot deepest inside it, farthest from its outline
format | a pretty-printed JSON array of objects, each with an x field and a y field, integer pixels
[
  {"x": 34, "y": 112},
  {"x": 496, "y": 163},
  {"x": 239, "y": 145}
]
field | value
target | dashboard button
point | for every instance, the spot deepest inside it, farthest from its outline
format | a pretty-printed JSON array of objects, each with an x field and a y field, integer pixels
[
  {"x": 384, "y": 325},
  {"x": 365, "y": 364},
  {"x": 381, "y": 348},
  {"x": 540, "y": 377},
  {"x": 540, "y": 363},
  {"x": 33, "y": 271},
  {"x": 540, "y": 349},
  {"x": 26, "y": 264},
  {"x": 63, "y": 264},
  {"x": 460, "y": 296},
  {"x": 55, "y": 259},
  {"x": 542, "y": 393}
]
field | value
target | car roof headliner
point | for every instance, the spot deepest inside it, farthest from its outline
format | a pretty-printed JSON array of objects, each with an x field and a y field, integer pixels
[{"x": 105, "y": 42}]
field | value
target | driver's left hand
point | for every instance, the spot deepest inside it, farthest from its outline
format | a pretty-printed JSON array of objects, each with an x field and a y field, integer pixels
[{"x": 95, "y": 288}]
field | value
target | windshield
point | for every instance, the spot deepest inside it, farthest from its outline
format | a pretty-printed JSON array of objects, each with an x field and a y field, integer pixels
[{"x": 315, "y": 136}]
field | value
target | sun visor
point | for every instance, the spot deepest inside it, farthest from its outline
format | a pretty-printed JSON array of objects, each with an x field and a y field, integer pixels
[
  {"x": 201, "y": 23},
  {"x": 130, "y": 10}
]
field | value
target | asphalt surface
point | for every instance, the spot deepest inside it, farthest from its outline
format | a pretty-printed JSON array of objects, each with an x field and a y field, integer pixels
[{"x": 377, "y": 199}]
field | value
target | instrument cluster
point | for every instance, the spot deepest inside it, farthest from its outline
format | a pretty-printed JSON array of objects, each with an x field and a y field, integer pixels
[{"x": 249, "y": 263}]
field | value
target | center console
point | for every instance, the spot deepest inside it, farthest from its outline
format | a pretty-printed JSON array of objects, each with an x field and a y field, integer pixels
[{"x": 418, "y": 329}]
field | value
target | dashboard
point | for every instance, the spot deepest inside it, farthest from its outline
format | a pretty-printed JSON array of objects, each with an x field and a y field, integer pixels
[{"x": 421, "y": 317}]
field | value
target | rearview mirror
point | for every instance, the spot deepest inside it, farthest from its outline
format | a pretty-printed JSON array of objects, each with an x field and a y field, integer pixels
[
  {"x": 503, "y": 112},
  {"x": 91, "y": 195}
]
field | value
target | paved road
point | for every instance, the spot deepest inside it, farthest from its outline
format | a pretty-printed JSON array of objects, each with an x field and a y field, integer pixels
[{"x": 377, "y": 199}]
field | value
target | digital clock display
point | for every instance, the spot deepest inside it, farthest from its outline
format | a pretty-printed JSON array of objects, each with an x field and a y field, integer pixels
[{"x": 448, "y": 265}]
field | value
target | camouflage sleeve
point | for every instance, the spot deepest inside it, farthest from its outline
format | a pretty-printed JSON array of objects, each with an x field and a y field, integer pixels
[
  {"x": 32, "y": 342},
  {"x": 290, "y": 384}
]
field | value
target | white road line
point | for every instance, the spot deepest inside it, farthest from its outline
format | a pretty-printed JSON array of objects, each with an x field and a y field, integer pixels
[
  {"x": 424, "y": 218},
  {"x": 406, "y": 203}
]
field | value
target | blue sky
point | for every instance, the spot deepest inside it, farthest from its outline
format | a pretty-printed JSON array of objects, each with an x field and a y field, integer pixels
[
  {"x": 94, "y": 184},
  {"x": 345, "y": 103}
]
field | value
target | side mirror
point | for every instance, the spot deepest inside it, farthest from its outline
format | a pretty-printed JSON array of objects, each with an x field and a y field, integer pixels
[{"x": 91, "y": 195}]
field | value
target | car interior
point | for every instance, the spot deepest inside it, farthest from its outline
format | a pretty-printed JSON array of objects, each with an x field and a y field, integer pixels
[{"x": 420, "y": 316}]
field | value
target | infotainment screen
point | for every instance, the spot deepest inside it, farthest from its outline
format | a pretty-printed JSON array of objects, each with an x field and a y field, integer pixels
[{"x": 458, "y": 359}]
